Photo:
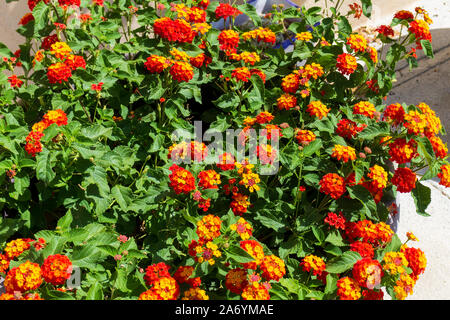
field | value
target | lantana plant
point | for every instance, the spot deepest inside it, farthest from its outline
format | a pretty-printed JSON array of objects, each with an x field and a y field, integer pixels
[{"x": 111, "y": 188}]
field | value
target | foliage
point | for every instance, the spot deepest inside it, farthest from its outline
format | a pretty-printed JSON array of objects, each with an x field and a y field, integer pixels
[{"x": 91, "y": 100}]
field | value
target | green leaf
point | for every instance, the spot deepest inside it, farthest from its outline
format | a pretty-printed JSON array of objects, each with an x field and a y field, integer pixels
[
  {"x": 120, "y": 280},
  {"x": 50, "y": 133},
  {"x": 4, "y": 50},
  {"x": 311, "y": 148},
  {"x": 292, "y": 285},
  {"x": 367, "y": 7},
  {"x": 335, "y": 238},
  {"x": 89, "y": 151},
  {"x": 278, "y": 292},
  {"x": 227, "y": 101},
  {"x": 331, "y": 283},
  {"x": 136, "y": 254},
  {"x": 393, "y": 246},
  {"x": 318, "y": 233},
  {"x": 331, "y": 249},
  {"x": 95, "y": 292},
  {"x": 239, "y": 255},
  {"x": 425, "y": 149},
  {"x": 77, "y": 236},
  {"x": 343, "y": 263},
  {"x": 123, "y": 195},
  {"x": 375, "y": 130},
  {"x": 57, "y": 295},
  {"x": 289, "y": 247},
  {"x": 365, "y": 198},
  {"x": 64, "y": 222},
  {"x": 270, "y": 222},
  {"x": 422, "y": 198},
  {"x": 427, "y": 48},
  {"x": 301, "y": 51},
  {"x": 433, "y": 171},
  {"x": 95, "y": 132},
  {"x": 97, "y": 176},
  {"x": 344, "y": 26},
  {"x": 40, "y": 14},
  {"x": 315, "y": 294},
  {"x": 108, "y": 249},
  {"x": 393, "y": 55},
  {"x": 250, "y": 11},
  {"x": 86, "y": 257},
  {"x": 54, "y": 245},
  {"x": 8, "y": 227},
  {"x": 44, "y": 169}
]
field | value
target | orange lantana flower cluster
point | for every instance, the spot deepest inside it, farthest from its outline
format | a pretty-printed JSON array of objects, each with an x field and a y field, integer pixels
[
  {"x": 343, "y": 153},
  {"x": 314, "y": 264},
  {"x": 33, "y": 140},
  {"x": 333, "y": 185}
]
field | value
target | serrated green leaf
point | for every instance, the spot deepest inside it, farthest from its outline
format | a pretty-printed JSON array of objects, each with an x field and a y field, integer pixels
[
  {"x": 343, "y": 263},
  {"x": 239, "y": 255},
  {"x": 427, "y": 48},
  {"x": 64, "y": 222},
  {"x": 123, "y": 195},
  {"x": 367, "y": 7},
  {"x": 95, "y": 292},
  {"x": 422, "y": 198},
  {"x": 44, "y": 170}
]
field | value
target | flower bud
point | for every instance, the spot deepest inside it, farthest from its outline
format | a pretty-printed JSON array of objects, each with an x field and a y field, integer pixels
[{"x": 368, "y": 150}]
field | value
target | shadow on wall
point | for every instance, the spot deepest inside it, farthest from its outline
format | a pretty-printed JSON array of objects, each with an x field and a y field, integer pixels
[{"x": 11, "y": 13}]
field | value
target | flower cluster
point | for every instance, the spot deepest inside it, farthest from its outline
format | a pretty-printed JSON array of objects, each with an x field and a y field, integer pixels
[
  {"x": 305, "y": 137},
  {"x": 56, "y": 269},
  {"x": 181, "y": 180},
  {"x": 335, "y": 220},
  {"x": 346, "y": 63},
  {"x": 357, "y": 43},
  {"x": 367, "y": 273},
  {"x": 348, "y": 129},
  {"x": 243, "y": 228},
  {"x": 364, "y": 108},
  {"x": 164, "y": 288},
  {"x": 25, "y": 277},
  {"x": 33, "y": 140},
  {"x": 367, "y": 231},
  {"x": 225, "y": 11},
  {"x": 66, "y": 62},
  {"x": 314, "y": 264},
  {"x": 208, "y": 228},
  {"x": 184, "y": 275},
  {"x": 246, "y": 281},
  {"x": 333, "y": 185},
  {"x": 236, "y": 280},
  {"x": 343, "y": 153},
  {"x": 348, "y": 289},
  {"x": 317, "y": 109}
]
